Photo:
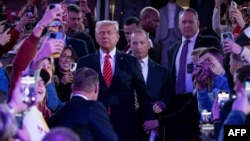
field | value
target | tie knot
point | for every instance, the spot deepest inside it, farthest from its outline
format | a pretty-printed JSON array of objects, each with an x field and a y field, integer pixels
[
  {"x": 186, "y": 41},
  {"x": 107, "y": 56}
]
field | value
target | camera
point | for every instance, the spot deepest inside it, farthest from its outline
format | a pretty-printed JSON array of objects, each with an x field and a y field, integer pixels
[
  {"x": 28, "y": 88},
  {"x": 227, "y": 36},
  {"x": 223, "y": 97}
]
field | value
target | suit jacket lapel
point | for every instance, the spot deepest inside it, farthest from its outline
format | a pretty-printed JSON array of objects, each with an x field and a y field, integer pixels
[
  {"x": 197, "y": 42},
  {"x": 150, "y": 72}
]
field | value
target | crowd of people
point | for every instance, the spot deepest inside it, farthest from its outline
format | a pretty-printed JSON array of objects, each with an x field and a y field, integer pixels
[{"x": 66, "y": 77}]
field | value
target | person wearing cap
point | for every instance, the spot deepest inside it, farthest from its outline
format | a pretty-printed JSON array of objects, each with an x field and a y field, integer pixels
[{"x": 33, "y": 119}]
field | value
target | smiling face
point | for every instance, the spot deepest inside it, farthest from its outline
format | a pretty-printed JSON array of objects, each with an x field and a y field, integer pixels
[
  {"x": 65, "y": 59},
  {"x": 40, "y": 90}
]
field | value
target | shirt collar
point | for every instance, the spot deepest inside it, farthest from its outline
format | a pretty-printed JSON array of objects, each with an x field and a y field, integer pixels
[
  {"x": 192, "y": 39},
  {"x": 111, "y": 53},
  {"x": 80, "y": 95},
  {"x": 145, "y": 60}
]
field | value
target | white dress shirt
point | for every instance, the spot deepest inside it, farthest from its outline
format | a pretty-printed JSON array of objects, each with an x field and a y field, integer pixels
[
  {"x": 144, "y": 66},
  {"x": 112, "y": 59},
  {"x": 189, "y": 85}
]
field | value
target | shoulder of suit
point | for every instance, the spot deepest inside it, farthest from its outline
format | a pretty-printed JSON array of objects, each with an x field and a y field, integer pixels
[
  {"x": 125, "y": 56},
  {"x": 207, "y": 37},
  {"x": 87, "y": 57},
  {"x": 158, "y": 66}
]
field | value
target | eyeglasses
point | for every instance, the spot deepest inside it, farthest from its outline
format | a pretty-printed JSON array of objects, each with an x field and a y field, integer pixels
[{"x": 67, "y": 57}]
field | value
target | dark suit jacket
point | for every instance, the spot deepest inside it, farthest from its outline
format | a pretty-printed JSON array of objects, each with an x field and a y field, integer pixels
[
  {"x": 155, "y": 52},
  {"x": 158, "y": 87},
  {"x": 120, "y": 95},
  {"x": 157, "y": 82},
  {"x": 79, "y": 46},
  {"x": 89, "y": 119}
]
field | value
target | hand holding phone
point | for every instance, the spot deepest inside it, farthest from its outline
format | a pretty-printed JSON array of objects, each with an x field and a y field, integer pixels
[{"x": 28, "y": 89}]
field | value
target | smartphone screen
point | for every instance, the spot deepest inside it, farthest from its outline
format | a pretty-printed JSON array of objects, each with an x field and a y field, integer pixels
[
  {"x": 223, "y": 97},
  {"x": 73, "y": 67},
  {"x": 28, "y": 89},
  {"x": 247, "y": 85},
  {"x": 56, "y": 35},
  {"x": 227, "y": 36}
]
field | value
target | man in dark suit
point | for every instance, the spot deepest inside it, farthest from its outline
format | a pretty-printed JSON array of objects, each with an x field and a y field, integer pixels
[
  {"x": 155, "y": 76},
  {"x": 149, "y": 21},
  {"x": 182, "y": 115},
  {"x": 83, "y": 113},
  {"x": 120, "y": 75},
  {"x": 79, "y": 46}
]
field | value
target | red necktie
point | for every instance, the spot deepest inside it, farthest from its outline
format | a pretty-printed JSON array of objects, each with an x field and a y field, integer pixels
[{"x": 107, "y": 70}]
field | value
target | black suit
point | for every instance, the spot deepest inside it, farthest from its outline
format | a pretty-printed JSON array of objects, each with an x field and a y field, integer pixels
[
  {"x": 155, "y": 52},
  {"x": 183, "y": 111},
  {"x": 79, "y": 46},
  {"x": 157, "y": 85},
  {"x": 89, "y": 119},
  {"x": 120, "y": 95}
]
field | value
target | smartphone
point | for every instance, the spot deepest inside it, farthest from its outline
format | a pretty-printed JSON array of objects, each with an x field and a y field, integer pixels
[
  {"x": 57, "y": 22},
  {"x": 56, "y": 35},
  {"x": 30, "y": 10},
  {"x": 206, "y": 116},
  {"x": 247, "y": 85},
  {"x": 73, "y": 67},
  {"x": 223, "y": 97},
  {"x": 227, "y": 36},
  {"x": 28, "y": 84},
  {"x": 233, "y": 4},
  {"x": 19, "y": 120}
]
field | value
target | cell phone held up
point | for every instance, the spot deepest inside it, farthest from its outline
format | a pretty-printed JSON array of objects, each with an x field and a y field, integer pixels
[
  {"x": 227, "y": 36},
  {"x": 28, "y": 89},
  {"x": 223, "y": 97},
  {"x": 73, "y": 67}
]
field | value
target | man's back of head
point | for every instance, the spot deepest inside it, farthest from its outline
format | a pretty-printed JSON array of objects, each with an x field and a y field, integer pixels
[{"x": 86, "y": 80}]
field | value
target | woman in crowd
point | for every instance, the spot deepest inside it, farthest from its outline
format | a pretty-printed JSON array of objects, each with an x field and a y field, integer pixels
[{"x": 63, "y": 74}]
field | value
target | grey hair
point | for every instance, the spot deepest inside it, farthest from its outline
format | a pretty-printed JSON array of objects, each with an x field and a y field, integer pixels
[
  {"x": 106, "y": 22},
  {"x": 189, "y": 10},
  {"x": 139, "y": 30}
]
